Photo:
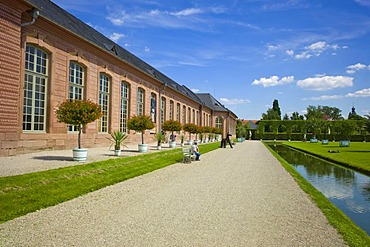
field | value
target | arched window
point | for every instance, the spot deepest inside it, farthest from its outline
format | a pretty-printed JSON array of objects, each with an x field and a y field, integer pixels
[
  {"x": 104, "y": 102},
  {"x": 171, "y": 109},
  {"x": 183, "y": 114},
  {"x": 35, "y": 89},
  {"x": 140, "y": 101},
  {"x": 194, "y": 120},
  {"x": 124, "y": 106},
  {"x": 189, "y": 115},
  {"x": 153, "y": 107},
  {"x": 76, "y": 85},
  {"x": 178, "y": 109},
  {"x": 163, "y": 109},
  {"x": 218, "y": 123}
]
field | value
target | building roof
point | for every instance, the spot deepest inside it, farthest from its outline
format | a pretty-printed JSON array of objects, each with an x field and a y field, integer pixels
[
  {"x": 212, "y": 103},
  {"x": 62, "y": 18}
]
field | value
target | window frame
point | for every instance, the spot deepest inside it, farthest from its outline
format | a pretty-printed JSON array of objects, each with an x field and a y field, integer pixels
[
  {"x": 124, "y": 111},
  {"x": 140, "y": 101},
  {"x": 35, "y": 89},
  {"x": 72, "y": 84},
  {"x": 104, "y": 96}
]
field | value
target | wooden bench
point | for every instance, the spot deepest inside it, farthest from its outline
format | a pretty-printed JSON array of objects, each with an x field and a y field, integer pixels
[{"x": 187, "y": 156}]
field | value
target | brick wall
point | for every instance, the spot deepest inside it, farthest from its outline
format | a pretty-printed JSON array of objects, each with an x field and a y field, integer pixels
[
  {"x": 62, "y": 48},
  {"x": 10, "y": 20}
]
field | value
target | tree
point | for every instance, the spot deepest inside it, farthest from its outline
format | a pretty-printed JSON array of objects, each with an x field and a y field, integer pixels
[
  {"x": 240, "y": 129},
  {"x": 190, "y": 128},
  {"x": 323, "y": 112},
  {"x": 171, "y": 125},
  {"x": 276, "y": 108},
  {"x": 78, "y": 113},
  {"x": 367, "y": 123},
  {"x": 296, "y": 116},
  {"x": 286, "y": 117},
  {"x": 314, "y": 112},
  {"x": 273, "y": 113},
  {"x": 140, "y": 124}
]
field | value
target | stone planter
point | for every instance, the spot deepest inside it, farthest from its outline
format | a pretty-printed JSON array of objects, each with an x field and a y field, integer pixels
[
  {"x": 344, "y": 143},
  {"x": 117, "y": 152},
  {"x": 143, "y": 148},
  {"x": 172, "y": 144},
  {"x": 80, "y": 154},
  {"x": 159, "y": 147}
]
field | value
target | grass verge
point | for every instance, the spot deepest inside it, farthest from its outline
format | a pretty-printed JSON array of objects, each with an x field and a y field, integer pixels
[
  {"x": 357, "y": 156},
  {"x": 27, "y": 193},
  {"x": 351, "y": 233}
]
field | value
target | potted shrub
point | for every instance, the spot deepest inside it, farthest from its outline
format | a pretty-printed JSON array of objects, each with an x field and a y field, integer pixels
[
  {"x": 172, "y": 126},
  {"x": 78, "y": 113},
  {"x": 117, "y": 138},
  {"x": 140, "y": 124},
  {"x": 159, "y": 137},
  {"x": 191, "y": 129}
]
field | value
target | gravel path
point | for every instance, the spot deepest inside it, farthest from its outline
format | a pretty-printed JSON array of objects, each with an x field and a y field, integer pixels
[
  {"x": 232, "y": 197},
  {"x": 52, "y": 159}
]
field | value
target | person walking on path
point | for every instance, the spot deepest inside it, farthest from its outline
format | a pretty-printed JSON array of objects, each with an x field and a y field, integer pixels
[
  {"x": 195, "y": 150},
  {"x": 228, "y": 139},
  {"x": 225, "y": 201}
]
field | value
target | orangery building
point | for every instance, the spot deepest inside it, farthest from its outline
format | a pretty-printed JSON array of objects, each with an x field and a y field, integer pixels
[{"x": 48, "y": 55}]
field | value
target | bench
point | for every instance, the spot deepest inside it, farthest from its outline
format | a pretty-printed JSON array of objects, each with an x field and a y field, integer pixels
[
  {"x": 187, "y": 156},
  {"x": 313, "y": 140},
  {"x": 325, "y": 142}
]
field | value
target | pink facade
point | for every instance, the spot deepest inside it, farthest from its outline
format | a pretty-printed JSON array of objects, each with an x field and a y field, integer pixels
[{"x": 44, "y": 63}]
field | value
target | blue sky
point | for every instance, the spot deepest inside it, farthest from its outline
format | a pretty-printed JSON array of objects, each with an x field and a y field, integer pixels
[{"x": 248, "y": 53}]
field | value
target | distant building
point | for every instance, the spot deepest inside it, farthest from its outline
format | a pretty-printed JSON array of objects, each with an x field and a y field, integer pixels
[
  {"x": 252, "y": 124},
  {"x": 48, "y": 55},
  {"x": 352, "y": 113}
]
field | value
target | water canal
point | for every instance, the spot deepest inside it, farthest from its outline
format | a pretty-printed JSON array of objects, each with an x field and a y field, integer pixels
[{"x": 346, "y": 189}]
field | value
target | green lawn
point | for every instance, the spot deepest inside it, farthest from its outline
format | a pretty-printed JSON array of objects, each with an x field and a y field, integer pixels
[
  {"x": 352, "y": 234},
  {"x": 27, "y": 193},
  {"x": 357, "y": 156}
]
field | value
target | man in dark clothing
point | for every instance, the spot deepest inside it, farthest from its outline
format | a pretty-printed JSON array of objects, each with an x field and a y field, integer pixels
[{"x": 228, "y": 140}]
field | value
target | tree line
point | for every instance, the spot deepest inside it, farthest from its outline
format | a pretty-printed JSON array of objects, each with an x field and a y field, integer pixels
[{"x": 323, "y": 122}]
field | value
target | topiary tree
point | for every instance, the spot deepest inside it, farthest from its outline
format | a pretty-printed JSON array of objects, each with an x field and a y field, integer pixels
[
  {"x": 190, "y": 128},
  {"x": 172, "y": 125},
  {"x": 140, "y": 124},
  {"x": 78, "y": 113}
]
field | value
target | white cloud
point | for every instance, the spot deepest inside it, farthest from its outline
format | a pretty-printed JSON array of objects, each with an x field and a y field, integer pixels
[
  {"x": 147, "y": 49},
  {"x": 363, "y": 2},
  {"x": 356, "y": 67},
  {"x": 195, "y": 90},
  {"x": 318, "y": 46},
  {"x": 361, "y": 93},
  {"x": 324, "y": 97},
  {"x": 189, "y": 18},
  {"x": 289, "y": 52},
  {"x": 325, "y": 83},
  {"x": 273, "y": 81},
  {"x": 303, "y": 55},
  {"x": 116, "y": 36},
  {"x": 234, "y": 101},
  {"x": 186, "y": 12},
  {"x": 314, "y": 49}
]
